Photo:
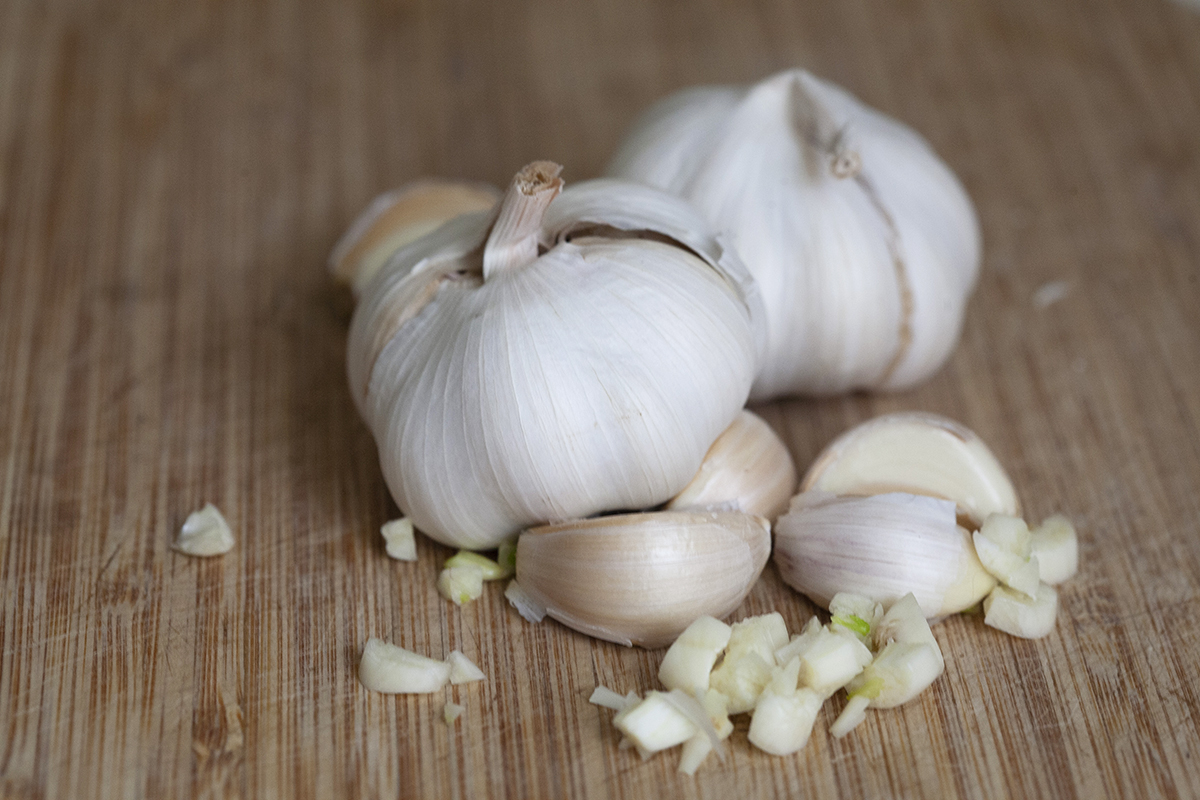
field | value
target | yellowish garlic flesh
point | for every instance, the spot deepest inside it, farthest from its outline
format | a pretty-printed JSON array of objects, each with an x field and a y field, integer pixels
[
  {"x": 748, "y": 468},
  {"x": 400, "y": 217},
  {"x": 916, "y": 453},
  {"x": 205, "y": 533},
  {"x": 642, "y": 578}
]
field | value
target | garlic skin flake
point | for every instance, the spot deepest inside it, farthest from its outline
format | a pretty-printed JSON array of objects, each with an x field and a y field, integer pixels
[
  {"x": 882, "y": 548},
  {"x": 551, "y": 359},
  {"x": 642, "y": 578},
  {"x": 863, "y": 242}
]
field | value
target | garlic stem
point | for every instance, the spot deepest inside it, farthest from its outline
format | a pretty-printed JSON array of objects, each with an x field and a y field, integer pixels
[{"x": 513, "y": 242}]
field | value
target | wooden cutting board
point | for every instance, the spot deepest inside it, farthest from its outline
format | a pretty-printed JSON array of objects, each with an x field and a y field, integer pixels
[{"x": 172, "y": 177}]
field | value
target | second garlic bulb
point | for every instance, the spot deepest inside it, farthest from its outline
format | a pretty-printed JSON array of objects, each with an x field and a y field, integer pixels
[{"x": 864, "y": 244}]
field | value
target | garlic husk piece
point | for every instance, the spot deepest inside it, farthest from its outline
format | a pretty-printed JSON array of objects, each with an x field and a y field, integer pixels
[
  {"x": 863, "y": 242},
  {"x": 916, "y": 453},
  {"x": 882, "y": 548},
  {"x": 642, "y": 578},
  {"x": 589, "y": 371},
  {"x": 399, "y": 217},
  {"x": 748, "y": 468}
]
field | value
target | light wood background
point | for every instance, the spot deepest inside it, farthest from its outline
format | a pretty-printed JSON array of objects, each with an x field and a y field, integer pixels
[{"x": 172, "y": 176}]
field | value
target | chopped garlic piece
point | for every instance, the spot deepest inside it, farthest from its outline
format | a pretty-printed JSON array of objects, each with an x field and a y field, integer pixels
[
  {"x": 749, "y": 658},
  {"x": 452, "y": 712},
  {"x": 833, "y": 660},
  {"x": 462, "y": 669},
  {"x": 490, "y": 569},
  {"x": 1014, "y": 613},
  {"x": 390, "y": 669},
  {"x": 399, "y": 540},
  {"x": 1004, "y": 546},
  {"x": 1057, "y": 549},
  {"x": 852, "y": 715},
  {"x": 690, "y": 659},
  {"x": 462, "y": 584},
  {"x": 205, "y": 533},
  {"x": 900, "y": 672},
  {"x": 655, "y": 724},
  {"x": 782, "y": 723}
]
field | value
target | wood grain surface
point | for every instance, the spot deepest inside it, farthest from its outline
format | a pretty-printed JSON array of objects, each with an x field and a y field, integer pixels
[{"x": 172, "y": 177}]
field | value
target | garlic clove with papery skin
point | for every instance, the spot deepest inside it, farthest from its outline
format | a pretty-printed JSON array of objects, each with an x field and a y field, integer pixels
[
  {"x": 747, "y": 468},
  {"x": 864, "y": 244},
  {"x": 518, "y": 366},
  {"x": 917, "y": 453},
  {"x": 882, "y": 548},
  {"x": 642, "y": 578},
  {"x": 399, "y": 217}
]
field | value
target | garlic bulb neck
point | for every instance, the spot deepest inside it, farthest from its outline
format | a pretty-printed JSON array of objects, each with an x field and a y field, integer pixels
[{"x": 513, "y": 241}]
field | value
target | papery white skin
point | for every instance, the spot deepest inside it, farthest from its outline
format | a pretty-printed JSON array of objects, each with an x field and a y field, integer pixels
[
  {"x": 864, "y": 244},
  {"x": 593, "y": 378}
]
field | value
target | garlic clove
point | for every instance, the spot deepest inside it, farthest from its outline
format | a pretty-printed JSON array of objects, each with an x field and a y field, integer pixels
[
  {"x": 917, "y": 453},
  {"x": 642, "y": 578},
  {"x": 747, "y": 468},
  {"x": 399, "y": 217},
  {"x": 880, "y": 547}
]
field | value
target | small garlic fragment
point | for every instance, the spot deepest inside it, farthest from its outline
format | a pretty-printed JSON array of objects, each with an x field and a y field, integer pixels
[
  {"x": 1056, "y": 547},
  {"x": 1005, "y": 548},
  {"x": 917, "y": 453},
  {"x": 749, "y": 657},
  {"x": 748, "y": 468},
  {"x": 1020, "y": 615},
  {"x": 462, "y": 669},
  {"x": 461, "y": 584},
  {"x": 655, "y": 724},
  {"x": 783, "y": 721},
  {"x": 900, "y": 672},
  {"x": 642, "y": 578},
  {"x": 690, "y": 658},
  {"x": 881, "y": 547},
  {"x": 390, "y": 669},
  {"x": 451, "y": 712},
  {"x": 492, "y": 571},
  {"x": 852, "y": 715},
  {"x": 401, "y": 216},
  {"x": 399, "y": 540},
  {"x": 205, "y": 533}
]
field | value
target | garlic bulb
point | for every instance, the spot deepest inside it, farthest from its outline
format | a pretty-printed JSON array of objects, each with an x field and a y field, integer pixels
[
  {"x": 396, "y": 218},
  {"x": 864, "y": 244},
  {"x": 919, "y": 453},
  {"x": 642, "y": 578},
  {"x": 882, "y": 548},
  {"x": 748, "y": 468},
  {"x": 552, "y": 358}
]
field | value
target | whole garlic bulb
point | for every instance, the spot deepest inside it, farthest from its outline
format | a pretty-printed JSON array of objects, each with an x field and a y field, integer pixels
[
  {"x": 552, "y": 358},
  {"x": 864, "y": 244}
]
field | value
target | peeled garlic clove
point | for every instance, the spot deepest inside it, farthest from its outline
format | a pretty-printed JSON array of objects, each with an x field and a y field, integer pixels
[
  {"x": 747, "y": 468},
  {"x": 513, "y": 371},
  {"x": 881, "y": 547},
  {"x": 864, "y": 244},
  {"x": 917, "y": 453},
  {"x": 399, "y": 217},
  {"x": 642, "y": 578}
]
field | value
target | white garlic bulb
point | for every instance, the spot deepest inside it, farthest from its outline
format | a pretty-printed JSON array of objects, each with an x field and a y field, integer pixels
[
  {"x": 551, "y": 359},
  {"x": 864, "y": 244}
]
